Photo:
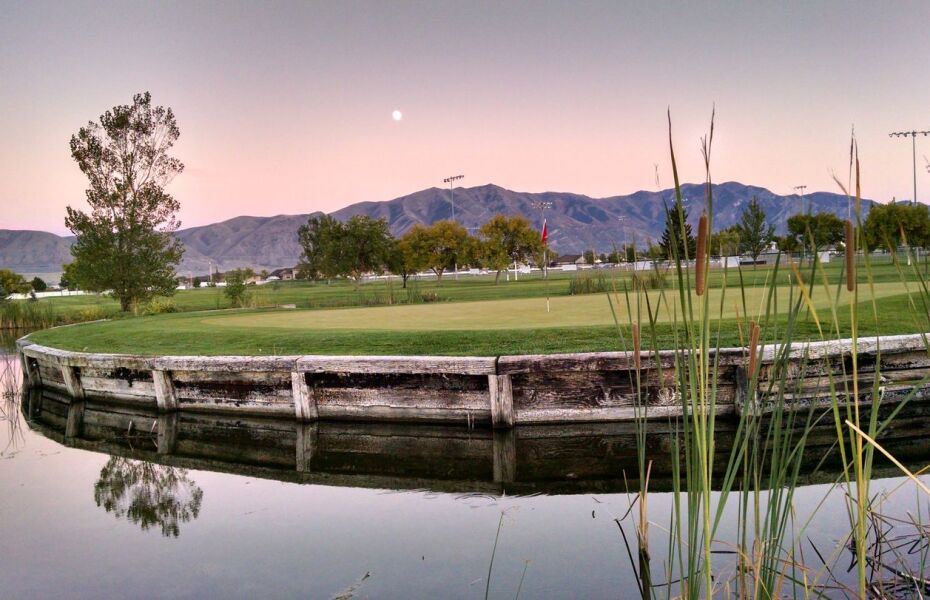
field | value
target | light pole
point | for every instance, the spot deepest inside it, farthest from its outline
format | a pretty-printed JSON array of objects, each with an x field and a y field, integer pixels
[
  {"x": 799, "y": 190},
  {"x": 913, "y": 135},
  {"x": 543, "y": 206},
  {"x": 622, "y": 221},
  {"x": 451, "y": 181}
]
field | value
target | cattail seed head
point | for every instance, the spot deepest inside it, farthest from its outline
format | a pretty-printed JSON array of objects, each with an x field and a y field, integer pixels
[
  {"x": 850, "y": 256},
  {"x": 636, "y": 355},
  {"x": 701, "y": 258}
]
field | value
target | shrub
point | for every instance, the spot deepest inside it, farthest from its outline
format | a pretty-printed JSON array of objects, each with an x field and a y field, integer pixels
[
  {"x": 585, "y": 283},
  {"x": 158, "y": 306}
]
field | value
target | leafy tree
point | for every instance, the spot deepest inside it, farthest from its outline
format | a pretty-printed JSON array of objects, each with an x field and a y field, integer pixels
[
  {"x": 402, "y": 260},
  {"x": 12, "y": 283},
  {"x": 125, "y": 242},
  {"x": 725, "y": 242},
  {"x": 589, "y": 257},
  {"x": 148, "y": 494},
  {"x": 824, "y": 229},
  {"x": 365, "y": 246},
  {"x": 886, "y": 223},
  {"x": 235, "y": 288},
  {"x": 38, "y": 284},
  {"x": 440, "y": 246},
  {"x": 506, "y": 240},
  {"x": 754, "y": 231},
  {"x": 676, "y": 223},
  {"x": 631, "y": 253},
  {"x": 332, "y": 249}
]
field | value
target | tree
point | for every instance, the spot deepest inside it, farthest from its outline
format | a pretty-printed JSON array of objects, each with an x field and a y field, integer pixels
[
  {"x": 440, "y": 246},
  {"x": 505, "y": 240},
  {"x": 677, "y": 236},
  {"x": 754, "y": 231},
  {"x": 12, "y": 283},
  {"x": 893, "y": 225},
  {"x": 235, "y": 288},
  {"x": 589, "y": 257},
  {"x": 332, "y": 249},
  {"x": 38, "y": 284},
  {"x": 124, "y": 243},
  {"x": 402, "y": 260},
  {"x": 725, "y": 242},
  {"x": 823, "y": 229}
]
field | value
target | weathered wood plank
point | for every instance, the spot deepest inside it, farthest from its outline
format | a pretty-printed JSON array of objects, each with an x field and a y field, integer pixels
[
  {"x": 505, "y": 456},
  {"x": 500, "y": 393},
  {"x": 603, "y": 361},
  {"x": 376, "y": 413},
  {"x": 465, "y": 365},
  {"x": 554, "y": 415},
  {"x": 117, "y": 388},
  {"x": 72, "y": 379},
  {"x": 166, "y": 397},
  {"x": 305, "y": 407},
  {"x": 75, "y": 423},
  {"x": 472, "y": 400},
  {"x": 225, "y": 364}
]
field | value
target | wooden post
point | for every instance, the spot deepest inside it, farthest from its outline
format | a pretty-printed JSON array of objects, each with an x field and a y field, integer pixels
[
  {"x": 166, "y": 397},
  {"x": 500, "y": 391},
  {"x": 72, "y": 377},
  {"x": 307, "y": 443},
  {"x": 167, "y": 432},
  {"x": 74, "y": 426},
  {"x": 505, "y": 456},
  {"x": 304, "y": 399}
]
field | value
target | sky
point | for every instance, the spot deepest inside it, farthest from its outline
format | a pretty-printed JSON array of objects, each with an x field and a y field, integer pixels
[{"x": 286, "y": 107}]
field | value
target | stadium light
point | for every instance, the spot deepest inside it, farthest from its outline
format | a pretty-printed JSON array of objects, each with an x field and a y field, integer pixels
[{"x": 913, "y": 135}]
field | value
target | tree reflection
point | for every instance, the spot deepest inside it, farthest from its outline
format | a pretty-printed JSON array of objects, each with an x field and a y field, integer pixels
[{"x": 148, "y": 494}]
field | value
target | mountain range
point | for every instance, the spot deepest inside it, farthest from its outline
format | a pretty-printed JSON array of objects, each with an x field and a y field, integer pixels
[{"x": 575, "y": 223}]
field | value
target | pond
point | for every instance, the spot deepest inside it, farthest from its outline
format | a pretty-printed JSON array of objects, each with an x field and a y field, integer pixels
[{"x": 102, "y": 501}]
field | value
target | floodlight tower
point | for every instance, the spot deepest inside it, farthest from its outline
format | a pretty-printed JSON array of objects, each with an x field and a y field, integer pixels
[
  {"x": 451, "y": 181},
  {"x": 913, "y": 135},
  {"x": 799, "y": 190}
]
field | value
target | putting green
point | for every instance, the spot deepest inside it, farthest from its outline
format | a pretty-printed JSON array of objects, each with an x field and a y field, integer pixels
[{"x": 524, "y": 313}]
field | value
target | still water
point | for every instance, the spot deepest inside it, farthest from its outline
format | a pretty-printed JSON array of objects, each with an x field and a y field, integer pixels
[{"x": 104, "y": 502}]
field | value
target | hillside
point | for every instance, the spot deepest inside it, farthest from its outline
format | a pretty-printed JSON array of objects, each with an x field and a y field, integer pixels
[{"x": 576, "y": 223}]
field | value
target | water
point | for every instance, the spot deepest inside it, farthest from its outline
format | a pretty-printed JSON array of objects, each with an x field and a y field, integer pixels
[{"x": 100, "y": 502}]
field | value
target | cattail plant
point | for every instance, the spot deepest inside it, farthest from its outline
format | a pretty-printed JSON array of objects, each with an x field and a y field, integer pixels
[
  {"x": 636, "y": 346},
  {"x": 850, "y": 256},
  {"x": 701, "y": 258}
]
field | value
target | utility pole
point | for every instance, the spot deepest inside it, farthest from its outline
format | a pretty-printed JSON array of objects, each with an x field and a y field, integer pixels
[
  {"x": 451, "y": 181},
  {"x": 913, "y": 135}
]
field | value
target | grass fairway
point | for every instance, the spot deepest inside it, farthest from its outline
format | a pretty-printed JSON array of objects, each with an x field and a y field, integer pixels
[{"x": 492, "y": 327}]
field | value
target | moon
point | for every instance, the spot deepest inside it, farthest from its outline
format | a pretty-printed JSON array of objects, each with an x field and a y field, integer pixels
[{"x": 397, "y": 115}]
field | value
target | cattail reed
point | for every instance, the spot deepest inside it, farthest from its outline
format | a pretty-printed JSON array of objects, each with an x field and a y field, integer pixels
[
  {"x": 850, "y": 256},
  {"x": 753, "y": 346},
  {"x": 700, "y": 259},
  {"x": 636, "y": 356}
]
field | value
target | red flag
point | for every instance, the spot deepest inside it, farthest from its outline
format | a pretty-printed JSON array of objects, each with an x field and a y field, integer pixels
[{"x": 545, "y": 233}]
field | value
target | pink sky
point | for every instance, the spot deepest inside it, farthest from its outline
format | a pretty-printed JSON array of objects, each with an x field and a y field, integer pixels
[{"x": 286, "y": 107}]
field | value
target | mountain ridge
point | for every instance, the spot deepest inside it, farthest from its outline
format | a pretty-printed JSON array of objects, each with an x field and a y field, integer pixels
[{"x": 576, "y": 222}]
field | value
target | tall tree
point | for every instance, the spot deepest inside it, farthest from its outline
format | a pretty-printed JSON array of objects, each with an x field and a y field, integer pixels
[
  {"x": 677, "y": 235},
  {"x": 815, "y": 232},
  {"x": 333, "y": 249},
  {"x": 725, "y": 242},
  {"x": 440, "y": 246},
  {"x": 403, "y": 260},
  {"x": 320, "y": 242},
  {"x": 755, "y": 232},
  {"x": 125, "y": 244},
  {"x": 505, "y": 240},
  {"x": 892, "y": 225}
]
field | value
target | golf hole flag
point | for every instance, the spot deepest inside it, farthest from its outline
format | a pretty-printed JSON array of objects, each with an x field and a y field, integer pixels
[{"x": 544, "y": 237}]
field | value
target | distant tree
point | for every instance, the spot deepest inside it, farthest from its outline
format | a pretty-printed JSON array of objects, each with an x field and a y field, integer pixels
[
  {"x": 815, "y": 232},
  {"x": 631, "y": 253},
  {"x": 677, "y": 237},
  {"x": 892, "y": 225},
  {"x": 787, "y": 243},
  {"x": 725, "y": 242},
  {"x": 440, "y": 246},
  {"x": 235, "y": 288},
  {"x": 589, "y": 257},
  {"x": 505, "y": 240},
  {"x": 359, "y": 246},
  {"x": 754, "y": 231},
  {"x": 38, "y": 285},
  {"x": 319, "y": 240},
  {"x": 125, "y": 244},
  {"x": 402, "y": 260},
  {"x": 264, "y": 274},
  {"x": 12, "y": 283}
]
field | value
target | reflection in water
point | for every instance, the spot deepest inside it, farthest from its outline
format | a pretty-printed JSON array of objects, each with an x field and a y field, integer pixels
[
  {"x": 10, "y": 392},
  {"x": 148, "y": 494}
]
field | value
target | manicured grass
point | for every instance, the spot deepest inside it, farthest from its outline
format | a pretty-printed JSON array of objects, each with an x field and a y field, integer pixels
[{"x": 479, "y": 328}]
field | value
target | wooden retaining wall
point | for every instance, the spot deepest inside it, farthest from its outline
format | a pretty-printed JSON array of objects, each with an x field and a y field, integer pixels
[{"x": 497, "y": 391}]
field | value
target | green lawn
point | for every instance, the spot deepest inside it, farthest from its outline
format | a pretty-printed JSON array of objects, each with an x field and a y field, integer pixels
[{"x": 495, "y": 327}]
